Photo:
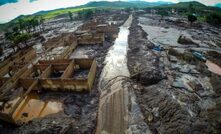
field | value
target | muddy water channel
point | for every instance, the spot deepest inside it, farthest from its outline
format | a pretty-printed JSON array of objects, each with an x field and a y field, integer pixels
[
  {"x": 113, "y": 111},
  {"x": 116, "y": 60},
  {"x": 118, "y": 111}
]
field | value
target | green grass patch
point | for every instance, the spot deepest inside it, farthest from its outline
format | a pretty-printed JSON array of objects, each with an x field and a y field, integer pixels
[{"x": 55, "y": 13}]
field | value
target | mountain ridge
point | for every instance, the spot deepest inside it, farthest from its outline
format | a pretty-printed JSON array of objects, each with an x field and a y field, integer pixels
[
  {"x": 218, "y": 5},
  {"x": 108, "y": 4}
]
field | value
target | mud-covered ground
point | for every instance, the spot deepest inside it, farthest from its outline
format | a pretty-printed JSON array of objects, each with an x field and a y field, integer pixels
[
  {"x": 157, "y": 75},
  {"x": 80, "y": 109},
  {"x": 79, "y": 113}
]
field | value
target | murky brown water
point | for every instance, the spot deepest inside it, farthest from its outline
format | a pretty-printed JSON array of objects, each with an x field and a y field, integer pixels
[
  {"x": 213, "y": 67},
  {"x": 113, "y": 110},
  {"x": 116, "y": 60},
  {"x": 32, "y": 107}
]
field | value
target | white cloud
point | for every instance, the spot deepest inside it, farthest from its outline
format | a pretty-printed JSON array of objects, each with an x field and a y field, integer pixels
[{"x": 24, "y": 7}]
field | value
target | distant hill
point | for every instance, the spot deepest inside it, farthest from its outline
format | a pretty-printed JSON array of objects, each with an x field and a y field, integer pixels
[
  {"x": 125, "y": 4},
  {"x": 2, "y": 2},
  {"x": 199, "y": 7},
  {"x": 218, "y": 5},
  {"x": 116, "y": 5},
  {"x": 195, "y": 4},
  {"x": 104, "y": 4}
]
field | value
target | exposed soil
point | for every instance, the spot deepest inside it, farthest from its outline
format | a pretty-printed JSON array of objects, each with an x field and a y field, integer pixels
[
  {"x": 166, "y": 107},
  {"x": 80, "y": 109},
  {"x": 169, "y": 91}
]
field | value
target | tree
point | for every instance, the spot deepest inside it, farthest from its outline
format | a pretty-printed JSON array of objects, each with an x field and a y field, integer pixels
[
  {"x": 127, "y": 10},
  {"x": 85, "y": 14},
  {"x": 42, "y": 24},
  {"x": 1, "y": 51},
  {"x": 34, "y": 23},
  {"x": 88, "y": 14},
  {"x": 15, "y": 29},
  {"x": 21, "y": 24},
  {"x": 70, "y": 15},
  {"x": 9, "y": 35},
  {"x": 213, "y": 19},
  {"x": 21, "y": 38},
  {"x": 191, "y": 18},
  {"x": 191, "y": 8},
  {"x": 162, "y": 13}
]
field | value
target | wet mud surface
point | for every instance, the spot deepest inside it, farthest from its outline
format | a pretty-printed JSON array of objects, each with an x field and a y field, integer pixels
[
  {"x": 79, "y": 110},
  {"x": 175, "y": 96},
  {"x": 113, "y": 106},
  {"x": 79, "y": 113}
]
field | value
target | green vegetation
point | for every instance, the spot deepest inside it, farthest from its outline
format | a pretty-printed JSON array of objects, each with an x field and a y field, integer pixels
[
  {"x": 202, "y": 13},
  {"x": 1, "y": 51},
  {"x": 55, "y": 13},
  {"x": 42, "y": 16},
  {"x": 85, "y": 14},
  {"x": 118, "y": 4},
  {"x": 21, "y": 38},
  {"x": 70, "y": 15},
  {"x": 46, "y": 15},
  {"x": 191, "y": 18},
  {"x": 163, "y": 13},
  {"x": 191, "y": 8},
  {"x": 213, "y": 18},
  {"x": 182, "y": 8}
]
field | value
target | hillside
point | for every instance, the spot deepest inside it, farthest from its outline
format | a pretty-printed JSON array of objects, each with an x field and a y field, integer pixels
[
  {"x": 104, "y": 4},
  {"x": 123, "y": 4},
  {"x": 199, "y": 8},
  {"x": 116, "y": 5},
  {"x": 218, "y": 5},
  {"x": 43, "y": 14},
  {"x": 195, "y": 4},
  {"x": 2, "y": 2}
]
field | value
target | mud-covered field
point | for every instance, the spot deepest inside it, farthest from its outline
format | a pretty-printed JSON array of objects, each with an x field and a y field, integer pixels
[
  {"x": 79, "y": 114},
  {"x": 159, "y": 77},
  {"x": 80, "y": 109},
  {"x": 167, "y": 90}
]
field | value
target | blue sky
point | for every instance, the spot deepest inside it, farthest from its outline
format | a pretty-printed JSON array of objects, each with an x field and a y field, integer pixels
[{"x": 10, "y": 9}]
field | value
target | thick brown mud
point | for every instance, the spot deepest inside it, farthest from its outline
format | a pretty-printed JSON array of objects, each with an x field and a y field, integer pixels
[
  {"x": 79, "y": 114},
  {"x": 167, "y": 107}
]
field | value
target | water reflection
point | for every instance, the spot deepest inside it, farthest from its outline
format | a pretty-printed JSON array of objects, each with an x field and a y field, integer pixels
[
  {"x": 32, "y": 107},
  {"x": 213, "y": 67},
  {"x": 116, "y": 60}
]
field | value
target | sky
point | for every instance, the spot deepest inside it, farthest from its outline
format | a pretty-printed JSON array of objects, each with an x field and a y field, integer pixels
[{"x": 10, "y": 9}]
